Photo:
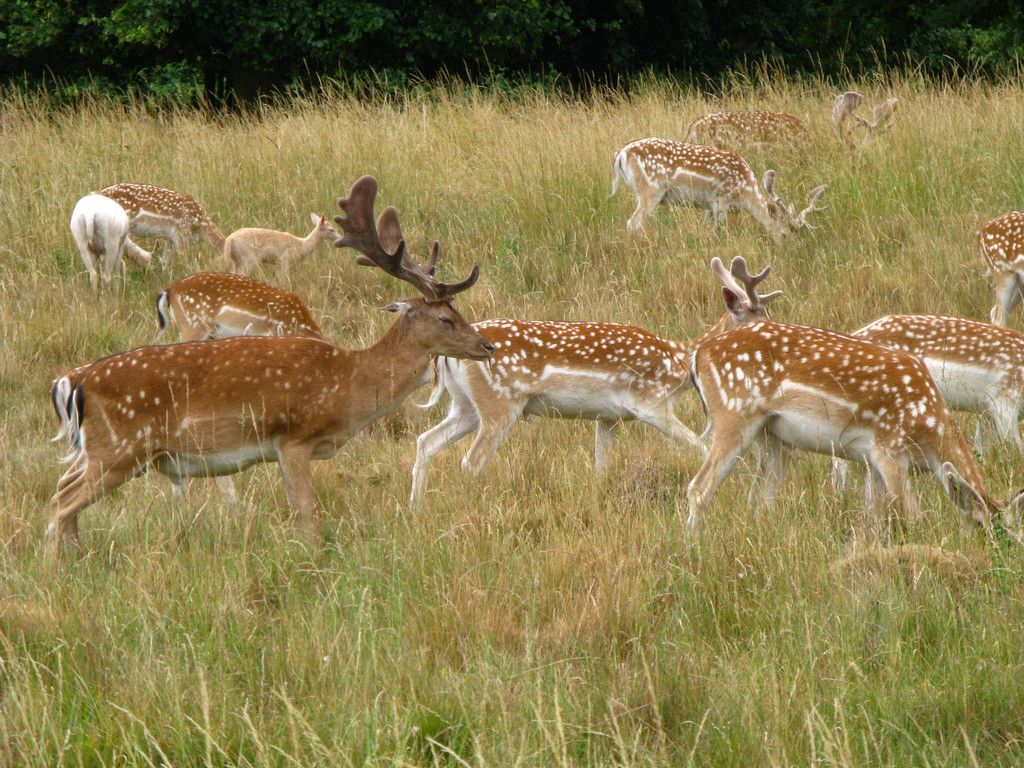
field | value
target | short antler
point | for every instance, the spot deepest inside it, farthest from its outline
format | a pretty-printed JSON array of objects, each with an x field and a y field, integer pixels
[
  {"x": 812, "y": 207},
  {"x": 383, "y": 244},
  {"x": 750, "y": 282}
]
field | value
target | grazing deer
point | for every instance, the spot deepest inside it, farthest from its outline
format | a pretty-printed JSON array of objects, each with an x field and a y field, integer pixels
[
  {"x": 846, "y": 119},
  {"x": 659, "y": 170},
  {"x": 779, "y": 386},
  {"x": 164, "y": 213},
  {"x": 978, "y": 367},
  {"x": 100, "y": 229},
  {"x": 735, "y": 130},
  {"x": 245, "y": 248},
  {"x": 216, "y": 407},
  {"x": 213, "y": 305},
  {"x": 1001, "y": 242},
  {"x": 602, "y": 372}
]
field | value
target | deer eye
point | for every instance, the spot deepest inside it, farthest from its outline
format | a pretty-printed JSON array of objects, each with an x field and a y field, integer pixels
[{"x": 448, "y": 321}]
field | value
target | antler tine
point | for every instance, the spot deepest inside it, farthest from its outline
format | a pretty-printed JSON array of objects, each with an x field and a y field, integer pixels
[
  {"x": 750, "y": 282},
  {"x": 727, "y": 278},
  {"x": 812, "y": 207},
  {"x": 845, "y": 104},
  {"x": 768, "y": 183},
  {"x": 383, "y": 244}
]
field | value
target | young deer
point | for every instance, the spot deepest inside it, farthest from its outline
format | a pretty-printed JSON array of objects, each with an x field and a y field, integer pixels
[
  {"x": 216, "y": 407},
  {"x": 742, "y": 129},
  {"x": 846, "y": 120},
  {"x": 100, "y": 229},
  {"x": 244, "y": 249},
  {"x": 164, "y": 213},
  {"x": 659, "y": 170},
  {"x": 602, "y": 372},
  {"x": 779, "y": 386},
  {"x": 1001, "y": 242},
  {"x": 213, "y": 305}
]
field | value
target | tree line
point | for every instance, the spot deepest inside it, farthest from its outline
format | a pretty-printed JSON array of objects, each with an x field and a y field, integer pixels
[{"x": 211, "y": 47}]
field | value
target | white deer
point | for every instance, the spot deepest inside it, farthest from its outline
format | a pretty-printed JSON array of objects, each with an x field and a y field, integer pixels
[{"x": 100, "y": 229}]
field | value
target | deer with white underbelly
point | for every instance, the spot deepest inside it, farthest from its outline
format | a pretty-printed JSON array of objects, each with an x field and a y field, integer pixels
[
  {"x": 212, "y": 408},
  {"x": 607, "y": 373},
  {"x": 660, "y": 170}
]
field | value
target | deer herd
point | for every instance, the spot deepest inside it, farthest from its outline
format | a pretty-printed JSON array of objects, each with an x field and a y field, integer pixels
[{"x": 252, "y": 378}]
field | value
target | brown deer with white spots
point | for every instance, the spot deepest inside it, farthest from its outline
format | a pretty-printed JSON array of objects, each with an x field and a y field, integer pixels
[
  {"x": 781, "y": 386},
  {"x": 660, "y": 170},
  {"x": 245, "y": 249},
  {"x": 1001, "y": 242},
  {"x": 214, "y": 305},
  {"x": 736, "y": 130},
  {"x": 213, "y": 408},
  {"x": 163, "y": 213},
  {"x": 601, "y": 372}
]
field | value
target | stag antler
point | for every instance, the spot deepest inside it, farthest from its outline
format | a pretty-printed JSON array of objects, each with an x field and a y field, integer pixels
[
  {"x": 383, "y": 245},
  {"x": 812, "y": 198},
  {"x": 739, "y": 279}
]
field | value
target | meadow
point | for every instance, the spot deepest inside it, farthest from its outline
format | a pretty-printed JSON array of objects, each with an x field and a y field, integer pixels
[{"x": 535, "y": 616}]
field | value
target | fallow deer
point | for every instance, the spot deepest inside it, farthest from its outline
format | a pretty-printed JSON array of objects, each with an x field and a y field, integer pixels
[
  {"x": 1001, "y": 242},
  {"x": 602, "y": 372},
  {"x": 100, "y": 229},
  {"x": 779, "y": 386},
  {"x": 166, "y": 214},
  {"x": 659, "y": 170},
  {"x": 245, "y": 249},
  {"x": 846, "y": 119},
  {"x": 214, "y": 305},
  {"x": 736, "y": 130},
  {"x": 216, "y": 407}
]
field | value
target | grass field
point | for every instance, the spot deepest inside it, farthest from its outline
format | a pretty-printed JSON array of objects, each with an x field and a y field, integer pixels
[{"x": 535, "y": 616}]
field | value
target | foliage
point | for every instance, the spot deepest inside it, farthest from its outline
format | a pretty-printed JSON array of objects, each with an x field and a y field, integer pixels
[{"x": 247, "y": 48}]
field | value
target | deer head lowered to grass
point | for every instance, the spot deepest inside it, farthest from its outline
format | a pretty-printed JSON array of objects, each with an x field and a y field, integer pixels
[{"x": 216, "y": 407}]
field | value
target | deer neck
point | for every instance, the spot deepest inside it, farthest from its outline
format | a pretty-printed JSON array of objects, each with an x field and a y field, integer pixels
[
  {"x": 309, "y": 243},
  {"x": 213, "y": 235},
  {"x": 394, "y": 366},
  {"x": 954, "y": 449},
  {"x": 724, "y": 325}
]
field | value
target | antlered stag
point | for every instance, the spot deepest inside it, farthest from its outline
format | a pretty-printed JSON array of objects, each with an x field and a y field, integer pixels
[
  {"x": 779, "y": 386},
  {"x": 660, "y": 170},
  {"x": 602, "y": 372},
  {"x": 216, "y": 407}
]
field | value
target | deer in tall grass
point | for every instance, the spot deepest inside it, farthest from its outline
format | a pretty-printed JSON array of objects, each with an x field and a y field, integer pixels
[
  {"x": 245, "y": 249},
  {"x": 1001, "y": 243},
  {"x": 781, "y": 387},
  {"x": 213, "y": 408},
  {"x": 737, "y": 130},
  {"x": 100, "y": 228},
  {"x": 660, "y": 170},
  {"x": 846, "y": 119},
  {"x": 163, "y": 213},
  {"x": 602, "y": 372}
]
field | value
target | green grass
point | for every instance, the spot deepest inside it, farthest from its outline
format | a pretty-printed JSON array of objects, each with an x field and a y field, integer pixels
[{"x": 535, "y": 616}]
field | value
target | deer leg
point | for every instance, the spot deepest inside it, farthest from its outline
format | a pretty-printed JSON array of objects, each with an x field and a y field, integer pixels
[
  {"x": 773, "y": 460},
  {"x": 730, "y": 440},
  {"x": 839, "y": 468},
  {"x": 646, "y": 201},
  {"x": 296, "y": 472},
  {"x": 139, "y": 255},
  {"x": 604, "y": 441},
  {"x": 666, "y": 422},
  {"x": 90, "y": 265},
  {"x": 226, "y": 485},
  {"x": 171, "y": 246},
  {"x": 890, "y": 476},
  {"x": 1008, "y": 295},
  {"x": 493, "y": 430},
  {"x": 79, "y": 487},
  {"x": 459, "y": 422},
  {"x": 1004, "y": 411}
]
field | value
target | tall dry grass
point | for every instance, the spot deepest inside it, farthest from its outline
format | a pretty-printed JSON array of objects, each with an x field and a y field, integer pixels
[{"x": 536, "y": 616}]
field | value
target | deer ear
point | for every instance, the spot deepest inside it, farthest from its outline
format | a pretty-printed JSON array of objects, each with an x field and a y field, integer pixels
[
  {"x": 398, "y": 307},
  {"x": 734, "y": 302},
  {"x": 963, "y": 494},
  {"x": 317, "y": 219}
]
